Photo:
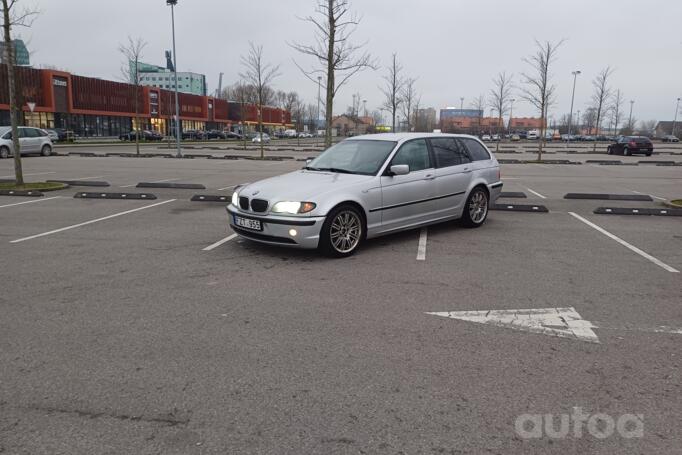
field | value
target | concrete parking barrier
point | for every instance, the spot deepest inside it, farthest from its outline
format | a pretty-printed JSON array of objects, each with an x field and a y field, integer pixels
[
  {"x": 520, "y": 208},
  {"x": 606, "y": 162},
  {"x": 513, "y": 194},
  {"x": 31, "y": 193},
  {"x": 82, "y": 182},
  {"x": 209, "y": 198},
  {"x": 609, "y": 197},
  {"x": 94, "y": 195},
  {"x": 637, "y": 211},
  {"x": 180, "y": 186}
]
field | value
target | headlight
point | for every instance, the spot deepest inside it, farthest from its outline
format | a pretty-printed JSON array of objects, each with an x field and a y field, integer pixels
[
  {"x": 293, "y": 207},
  {"x": 235, "y": 199}
]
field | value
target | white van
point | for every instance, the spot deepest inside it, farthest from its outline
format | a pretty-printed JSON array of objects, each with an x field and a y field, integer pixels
[
  {"x": 290, "y": 133},
  {"x": 532, "y": 134}
]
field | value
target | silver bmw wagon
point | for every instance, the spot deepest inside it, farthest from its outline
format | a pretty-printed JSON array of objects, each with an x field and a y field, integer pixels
[{"x": 369, "y": 186}]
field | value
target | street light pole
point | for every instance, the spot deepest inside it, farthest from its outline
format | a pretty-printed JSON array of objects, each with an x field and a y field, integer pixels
[
  {"x": 172, "y": 4},
  {"x": 677, "y": 108},
  {"x": 511, "y": 112},
  {"x": 317, "y": 122},
  {"x": 570, "y": 116},
  {"x": 630, "y": 120},
  {"x": 461, "y": 103}
]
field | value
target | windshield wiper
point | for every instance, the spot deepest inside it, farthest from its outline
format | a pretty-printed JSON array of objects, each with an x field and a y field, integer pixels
[
  {"x": 335, "y": 169},
  {"x": 310, "y": 168}
]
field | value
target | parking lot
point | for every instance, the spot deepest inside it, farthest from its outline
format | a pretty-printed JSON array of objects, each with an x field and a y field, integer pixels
[{"x": 146, "y": 326}]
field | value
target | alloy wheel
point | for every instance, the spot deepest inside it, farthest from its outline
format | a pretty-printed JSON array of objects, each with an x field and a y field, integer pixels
[
  {"x": 345, "y": 231},
  {"x": 478, "y": 207}
]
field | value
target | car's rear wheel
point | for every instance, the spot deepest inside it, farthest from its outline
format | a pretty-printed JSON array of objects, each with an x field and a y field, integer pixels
[
  {"x": 342, "y": 232},
  {"x": 46, "y": 150},
  {"x": 4, "y": 152},
  {"x": 476, "y": 208}
]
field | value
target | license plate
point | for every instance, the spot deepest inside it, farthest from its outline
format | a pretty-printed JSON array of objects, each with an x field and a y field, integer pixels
[{"x": 248, "y": 223}]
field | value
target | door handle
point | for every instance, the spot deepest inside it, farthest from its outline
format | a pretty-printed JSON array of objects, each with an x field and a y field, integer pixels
[
  {"x": 429, "y": 177},
  {"x": 467, "y": 170}
]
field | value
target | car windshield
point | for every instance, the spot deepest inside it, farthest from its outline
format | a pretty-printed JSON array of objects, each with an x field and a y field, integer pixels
[{"x": 353, "y": 157}]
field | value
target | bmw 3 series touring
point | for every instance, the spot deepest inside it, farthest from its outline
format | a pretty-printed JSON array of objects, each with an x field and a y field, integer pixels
[{"x": 369, "y": 186}]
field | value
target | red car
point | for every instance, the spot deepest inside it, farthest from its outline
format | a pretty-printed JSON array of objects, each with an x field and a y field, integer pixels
[{"x": 629, "y": 145}]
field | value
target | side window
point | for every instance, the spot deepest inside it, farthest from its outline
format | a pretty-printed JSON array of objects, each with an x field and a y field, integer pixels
[
  {"x": 22, "y": 133},
  {"x": 476, "y": 151},
  {"x": 8, "y": 136},
  {"x": 42, "y": 133},
  {"x": 31, "y": 132},
  {"x": 415, "y": 154},
  {"x": 448, "y": 152}
]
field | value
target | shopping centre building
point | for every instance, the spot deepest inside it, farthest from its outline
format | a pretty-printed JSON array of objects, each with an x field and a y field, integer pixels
[{"x": 92, "y": 107}]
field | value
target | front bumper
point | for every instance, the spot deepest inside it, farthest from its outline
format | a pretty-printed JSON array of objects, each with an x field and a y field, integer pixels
[{"x": 276, "y": 229}]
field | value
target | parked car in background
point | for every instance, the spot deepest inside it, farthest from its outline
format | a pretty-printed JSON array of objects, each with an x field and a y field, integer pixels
[
  {"x": 53, "y": 135},
  {"x": 193, "y": 135},
  {"x": 304, "y": 134},
  {"x": 532, "y": 135},
  {"x": 31, "y": 141},
  {"x": 515, "y": 138},
  {"x": 232, "y": 135},
  {"x": 145, "y": 135},
  {"x": 670, "y": 138},
  {"x": 332, "y": 203},
  {"x": 262, "y": 137},
  {"x": 215, "y": 134},
  {"x": 630, "y": 145},
  {"x": 290, "y": 133},
  {"x": 523, "y": 134},
  {"x": 495, "y": 137},
  {"x": 486, "y": 138}
]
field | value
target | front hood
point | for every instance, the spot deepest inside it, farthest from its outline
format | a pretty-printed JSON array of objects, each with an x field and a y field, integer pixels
[{"x": 301, "y": 185}]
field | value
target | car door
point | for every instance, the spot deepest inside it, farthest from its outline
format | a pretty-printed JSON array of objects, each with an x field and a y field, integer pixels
[
  {"x": 408, "y": 199},
  {"x": 35, "y": 139},
  {"x": 26, "y": 145},
  {"x": 453, "y": 175}
]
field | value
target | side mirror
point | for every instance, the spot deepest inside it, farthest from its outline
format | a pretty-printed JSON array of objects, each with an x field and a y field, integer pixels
[
  {"x": 308, "y": 161},
  {"x": 400, "y": 169}
]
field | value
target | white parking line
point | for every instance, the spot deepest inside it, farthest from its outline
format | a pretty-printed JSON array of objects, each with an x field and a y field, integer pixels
[
  {"x": 536, "y": 193},
  {"x": 626, "y": 244},
  {"x": 155, "y": 181},
  {"x": 421, "y": 249},
  {"x": 219, "y": 242},
  {"x": 91, "y": 221},
  {"x": 655, "y": 197},
  {"x": 86, "y": 178},
  {"x": 226, "y": 188},
  {"x": 29, "y": 202},
  {"x": 26, "y": 175}
]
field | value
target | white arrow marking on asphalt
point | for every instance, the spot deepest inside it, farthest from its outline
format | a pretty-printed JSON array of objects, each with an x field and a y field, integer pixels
[{"x": 559, "y": 322}]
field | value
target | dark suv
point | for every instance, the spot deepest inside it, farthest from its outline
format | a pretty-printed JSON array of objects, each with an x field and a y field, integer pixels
[{"x": 629, "y": 145}]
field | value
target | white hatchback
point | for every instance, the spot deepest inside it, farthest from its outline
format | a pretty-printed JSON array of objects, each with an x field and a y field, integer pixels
[{"x": 31, "y": 140}]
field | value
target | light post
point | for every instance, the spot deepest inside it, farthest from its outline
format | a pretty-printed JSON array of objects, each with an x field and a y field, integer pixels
[
  {"x": 461, "y": 103},
  {"x": 570, "y": 116},
  {"x": 364, "y": 107},
  {"x": 511, "y": 111},
  {"x": 172, "y": 4},
  {"x": 577, "y": 123},
  {"x": 677, "y": 108}
]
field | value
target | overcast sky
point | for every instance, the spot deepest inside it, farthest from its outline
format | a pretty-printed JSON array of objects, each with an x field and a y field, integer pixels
[{"x": 453, "y": 47}]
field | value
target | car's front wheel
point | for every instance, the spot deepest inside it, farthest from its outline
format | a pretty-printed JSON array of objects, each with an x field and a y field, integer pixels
[
  {"x": 476, "y": 208},
  {"x": 4, "y": 152},
  {"x": 46, "y": 150},
  {"x": 626, "y": 152},
  {"x": 342, "y": 232},
  {"x": 608, "y": 150}
]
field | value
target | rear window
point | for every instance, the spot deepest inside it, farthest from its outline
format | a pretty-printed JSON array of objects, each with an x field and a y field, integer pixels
[{"x": 476, "y": 151}]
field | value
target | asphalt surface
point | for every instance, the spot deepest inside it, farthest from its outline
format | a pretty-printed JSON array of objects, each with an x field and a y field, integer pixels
[{"x": 123, "y": 335}]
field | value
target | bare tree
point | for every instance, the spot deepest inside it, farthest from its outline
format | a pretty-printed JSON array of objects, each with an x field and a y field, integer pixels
[
  {"x": 628, "y": 127},
  {"x": 616, "y": 109},
  {"x": 500, "y": 96},
  {"x": 600, "y": 98},
  {"x": 338, "y": 59},
  {"x": 478, "y": 104},
  {"x": 647, "y": 127},
  {"x": 13, "y": 17},
  {"x": 260, "y": 75},
  {"x": 409, "y": 98},
  {"x": 394, "y": 83},
  {"x": 130, "y": 70},
  {"x": 590, "y": 119},
  {"x": 539, "y": 90}
]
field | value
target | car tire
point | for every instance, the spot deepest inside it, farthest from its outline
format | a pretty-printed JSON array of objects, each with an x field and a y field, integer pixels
[
  {"x": 46, "y": 150},
  {"x": 626, "y": 152},
  {"x": 4, "y": 152},
  {"x": 608, "y": 150},
  {"x": 476, "y": 208},
  {"x": 649, "y": 154},
  {"x": 343, "y": 231}
]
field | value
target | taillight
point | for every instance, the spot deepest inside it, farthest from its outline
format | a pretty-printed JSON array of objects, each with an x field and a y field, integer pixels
[{"x": 632, "y": 144}]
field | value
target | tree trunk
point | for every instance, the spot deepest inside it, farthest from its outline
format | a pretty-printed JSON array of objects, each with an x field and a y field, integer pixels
[
  {"x": 11, "y": 86},
  {"x": 330, "y": 77},
  {"x": 260, "y": 126},
  {"x": 137, "y": 118},
  {"x": 542, "y": 133}
]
